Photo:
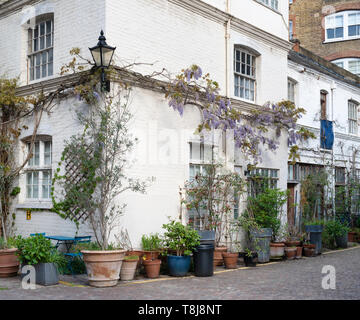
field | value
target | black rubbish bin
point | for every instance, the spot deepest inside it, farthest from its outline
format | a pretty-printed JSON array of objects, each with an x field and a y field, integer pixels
[{"x": 203, "y": 260}]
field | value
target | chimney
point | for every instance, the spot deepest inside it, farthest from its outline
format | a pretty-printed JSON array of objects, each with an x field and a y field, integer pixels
[{"x": 296, "y": 46}]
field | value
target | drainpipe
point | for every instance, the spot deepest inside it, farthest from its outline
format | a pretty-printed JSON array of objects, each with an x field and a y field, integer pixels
[{"x": 333, "y": 87}]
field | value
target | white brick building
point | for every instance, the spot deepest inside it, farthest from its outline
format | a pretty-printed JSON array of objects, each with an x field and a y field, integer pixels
[{"x": 171, "y": 34}]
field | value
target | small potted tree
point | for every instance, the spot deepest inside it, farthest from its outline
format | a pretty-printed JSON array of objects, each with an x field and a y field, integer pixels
[
  {"x": 182, "y": 240},
  {"x": 9, "y": 263},
  {"x": 37, "y": 251},
  {"x": 89, "y": 192}
]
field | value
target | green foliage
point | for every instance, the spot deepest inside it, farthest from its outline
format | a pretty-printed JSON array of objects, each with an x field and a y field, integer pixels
[
  {"x": 266, "y": 209},
  {"x": 7, "y": 244},
  {"x": 153, "y": 242},
  {"x": 37, "y": 249},
  {"x": 315, "y": 222},
  {"x": 334, "y": 229},
  {"x": 131, "y": 258},
  {"x": 180, "y": 238}
]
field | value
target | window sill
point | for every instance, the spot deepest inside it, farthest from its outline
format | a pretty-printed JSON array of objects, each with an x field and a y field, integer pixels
[
  {"x": 45, "y": 205},
  {"x": 325, "y": 150},
  {"x": 340, "y": 40},
  {"x": 30, "y": 82}
]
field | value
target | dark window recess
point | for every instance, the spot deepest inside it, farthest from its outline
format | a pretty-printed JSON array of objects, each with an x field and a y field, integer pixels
[
  {"x": 323, "y": 96},
  {"x": 326, "y": 135}
]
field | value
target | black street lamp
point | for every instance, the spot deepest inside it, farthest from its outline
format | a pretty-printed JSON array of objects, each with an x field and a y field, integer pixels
[{"x": 102, "y": 54}]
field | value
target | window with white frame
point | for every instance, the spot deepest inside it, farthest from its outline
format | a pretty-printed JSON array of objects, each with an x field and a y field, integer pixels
[
  {"x": 41, "y": 48},
  {"x": 260, "y": 179},
  {"x": 38, "y": 171},
  {"x": 244, "y": 74},
  {"x": 271, "y": 3},
  {"x": 291, "y": 90},
  {"x": 350, "y": 64},
  {"x": 291, "y": 31},
  {"x": 353, "y": 117},
  {"x": 344, "y": 25}
]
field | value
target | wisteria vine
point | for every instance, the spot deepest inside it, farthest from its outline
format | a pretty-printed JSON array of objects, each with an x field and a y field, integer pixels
[{"x": 192, "y": 87}]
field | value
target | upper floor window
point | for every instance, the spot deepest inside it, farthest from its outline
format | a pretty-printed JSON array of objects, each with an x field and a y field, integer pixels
[
  {"x": 40, "y": 48},
  {"x": 244, "y": 70},
  {"x": 291, "y": 30},
  {"x": 350, "y": 64},
  {"x": 260, "y": 179},
  {"x": 323, "y": 105},
  {"x": 344, "y": 25},
  {"x": 291, "y": 90},
  {"x": 38, "y": 171},
  {"x": 353, "y": 117},
  {"x": 271, "y": 3}
]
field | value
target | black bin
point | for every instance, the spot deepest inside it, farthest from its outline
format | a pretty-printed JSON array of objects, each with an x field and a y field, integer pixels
[{"x": 203, "y": 259}]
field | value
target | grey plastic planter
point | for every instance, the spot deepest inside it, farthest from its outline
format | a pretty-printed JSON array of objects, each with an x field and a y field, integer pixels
[
  {"x": 207, "y": 235},
  {"x": 46, "y": 274},
  {"x": 315, "y": 236},
  {"x": 263, "y": 237}
]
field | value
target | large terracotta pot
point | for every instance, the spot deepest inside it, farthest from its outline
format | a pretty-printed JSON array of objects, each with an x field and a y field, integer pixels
[
  {"x": 277, "y": 250},
  {"x": 103, "y": 267},
  {"x": 230, "y": 259},
  {"x": 309, "y": 250},
  {"x": 218, "y": 258},
  {"x": 128, "y": 269},
  {"x": 290, "y": 252},
  {"x": 9, "y": 263},
  {"x": 152, "y": 268}
]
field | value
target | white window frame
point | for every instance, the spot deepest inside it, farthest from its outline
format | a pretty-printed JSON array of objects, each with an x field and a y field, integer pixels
[
  {"x": 292, "y": 84},
  {"x": 273, "y": 4},
  {"x": 241, "y": 79},
  {"x": 344, "y": 63},
  {"x": 345, "y": 26},
  {"x": 267, "y": 173},
  {"x": 40, "y": 168},
  {"x": 353, "y": 117},
  {"x": 41, "y": 59}
]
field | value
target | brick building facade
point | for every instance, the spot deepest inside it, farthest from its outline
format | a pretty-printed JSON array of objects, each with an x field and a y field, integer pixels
[{"x": 329, "y": 28}]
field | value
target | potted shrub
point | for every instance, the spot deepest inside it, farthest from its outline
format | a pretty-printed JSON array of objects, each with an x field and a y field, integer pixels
[
  {"x": 182, "y": 240},
  {"x": 128, "y": 267},
  {"x": 9, "y": 263},
  {"x": 37, "y": 251},
  {"x": 151, "y": 246},
  {"x": 336, "y": 233},
  {"x": 100, "y": 156},
  {"x": 232, "y": 255},
  {"x": 266, "y": 208}
]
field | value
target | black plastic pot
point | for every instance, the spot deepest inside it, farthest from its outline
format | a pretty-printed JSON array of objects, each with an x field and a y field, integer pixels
[
  {"x": 251, "y": 261},
  {"x": 342, "y": 241},
  {"x": 203, "y": 260}
]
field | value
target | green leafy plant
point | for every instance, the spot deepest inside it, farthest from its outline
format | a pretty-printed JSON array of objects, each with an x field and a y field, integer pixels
[
  {"x": 266, "y": 209},
  {"x": 315, "y": 222},
  {"x": 37, "y": 249},
  {"x": 9, "y": 244},
  {"x": 131, "y": 258},
  {"x": 152, "y": 242},
  {"x": 180, "y": 238},
  {"x": 332, "y": 230}
]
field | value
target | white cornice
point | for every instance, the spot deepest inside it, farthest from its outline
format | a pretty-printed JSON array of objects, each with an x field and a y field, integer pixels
[
  {"x": 210, "y": 12},
  {"x": 12, "y": 6}
]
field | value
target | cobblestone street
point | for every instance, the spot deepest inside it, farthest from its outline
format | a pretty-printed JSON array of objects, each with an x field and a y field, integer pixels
[{"x": 297, "y": 279}]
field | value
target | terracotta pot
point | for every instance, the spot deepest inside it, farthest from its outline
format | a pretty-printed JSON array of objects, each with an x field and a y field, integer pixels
[
  {"x": 277, "y": 250},
  {"x": 230, "y": 259},
  {"x": 152, "y": 268},
  {"x": 290, "y": 252},
  {"x": 128, "y": 269},
  {"x": 293, "y": 243},
  {"x": 9, "y": 263},
  {"x": 309, "y": 252},
  {"x": 299, "y": 251},
  {"x": 151, "y": 255},
  {"x": 310, "y": 246},
  {"x": 352, "y": 236},
  {"x": 138, "y": 253},
  {"x": 103, "y": 267},
  {"x": 218, "y": 258}
]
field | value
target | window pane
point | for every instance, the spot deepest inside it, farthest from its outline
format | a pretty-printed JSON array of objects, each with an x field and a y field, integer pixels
[
  {"x": 47, "y": 153},
  {"x": 42, "y": 28},
  {"x": 48, "y": 26}
]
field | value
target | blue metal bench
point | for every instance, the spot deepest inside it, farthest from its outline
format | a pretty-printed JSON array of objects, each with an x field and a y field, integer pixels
[{"x": 72, "y": 256}]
